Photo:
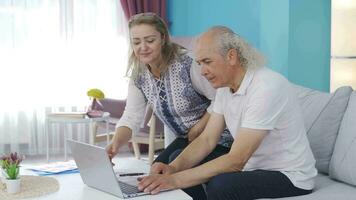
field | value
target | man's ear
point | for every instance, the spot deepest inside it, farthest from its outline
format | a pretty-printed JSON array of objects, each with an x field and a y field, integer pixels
[{"x": 232, "y": 57}]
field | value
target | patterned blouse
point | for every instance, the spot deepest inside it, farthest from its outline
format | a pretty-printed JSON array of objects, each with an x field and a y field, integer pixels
[{"x": 179, "y": 98}]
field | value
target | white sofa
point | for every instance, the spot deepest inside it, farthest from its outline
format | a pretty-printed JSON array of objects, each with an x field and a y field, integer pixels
[{"x": 330, "y": 121}]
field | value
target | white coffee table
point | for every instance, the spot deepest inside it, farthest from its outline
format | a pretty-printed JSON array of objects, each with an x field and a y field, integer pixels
[{"x": 73, "y": 188}]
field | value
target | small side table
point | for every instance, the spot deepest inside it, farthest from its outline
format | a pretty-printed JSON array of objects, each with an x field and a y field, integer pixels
[{"x": 51, "y": 119}]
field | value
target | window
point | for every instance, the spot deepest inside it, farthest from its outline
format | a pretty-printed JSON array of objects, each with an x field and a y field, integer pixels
[
  {"x": 54, "y": 51},
  {"x": 343, "y": 44}
]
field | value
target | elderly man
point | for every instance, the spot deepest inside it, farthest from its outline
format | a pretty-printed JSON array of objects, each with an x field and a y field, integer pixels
[{"x": 270, "y": 156}]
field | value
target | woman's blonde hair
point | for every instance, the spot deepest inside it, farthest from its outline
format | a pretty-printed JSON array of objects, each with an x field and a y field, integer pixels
[{"x": 169, "y": 49}]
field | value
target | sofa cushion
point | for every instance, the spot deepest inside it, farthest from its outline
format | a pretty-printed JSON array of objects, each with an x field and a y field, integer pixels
[
  {"x": 327, "y": 189},
  {"x": 312, "y": 103},
  {"x": 322, "y": 114},
  {"x": 343, "y": 161}
]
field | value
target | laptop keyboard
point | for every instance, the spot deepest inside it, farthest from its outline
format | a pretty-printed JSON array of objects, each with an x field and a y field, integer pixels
[{"x": 128, "y": 189}]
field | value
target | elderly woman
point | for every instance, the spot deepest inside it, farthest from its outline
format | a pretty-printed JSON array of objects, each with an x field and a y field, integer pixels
[{"x": 162, "y": 75}]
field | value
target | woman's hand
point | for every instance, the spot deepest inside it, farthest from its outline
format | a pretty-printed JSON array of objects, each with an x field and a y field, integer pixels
[
  {"x": 112, "y": 149},
  {"x": 121, "y": 137}
]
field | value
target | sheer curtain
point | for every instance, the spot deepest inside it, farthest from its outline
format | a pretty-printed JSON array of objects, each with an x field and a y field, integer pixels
[{"x": 52, "y": 52}]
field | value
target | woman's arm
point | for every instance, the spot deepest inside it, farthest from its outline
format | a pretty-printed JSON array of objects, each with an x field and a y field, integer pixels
[{"x": 130, "y": 121}]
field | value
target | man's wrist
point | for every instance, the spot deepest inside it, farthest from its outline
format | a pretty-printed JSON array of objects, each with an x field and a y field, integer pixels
[
  {"x": 173, "y": 168},
  {"x": 177, "y": 181}
]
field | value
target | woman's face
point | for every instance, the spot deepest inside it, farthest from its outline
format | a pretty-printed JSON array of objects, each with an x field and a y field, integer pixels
[{"x": 147, "y": 44}]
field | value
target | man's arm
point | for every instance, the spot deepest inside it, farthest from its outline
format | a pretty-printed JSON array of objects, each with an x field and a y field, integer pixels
[
  {"x": 198, "y": 147},
  {"x": 198, "y": 128},
  {"x": 244, "y": 146},
  {"x": 202, "y": 146},
  {"x": 193, "y": 154}
]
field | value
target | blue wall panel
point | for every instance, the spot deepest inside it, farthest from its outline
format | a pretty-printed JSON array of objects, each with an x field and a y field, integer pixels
[
  {"x": 309, "y": 43},
  {"x": 293, "y": 34},
  {"x": 274, "y": 34},
  {"x": 192, "y": 17}
]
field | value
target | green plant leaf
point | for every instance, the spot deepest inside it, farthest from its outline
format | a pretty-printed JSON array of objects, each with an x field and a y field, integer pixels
[{"x": 12, "y": 171}]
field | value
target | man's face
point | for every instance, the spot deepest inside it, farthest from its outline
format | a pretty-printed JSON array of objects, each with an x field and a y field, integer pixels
[{"x": 214, "y": 66}]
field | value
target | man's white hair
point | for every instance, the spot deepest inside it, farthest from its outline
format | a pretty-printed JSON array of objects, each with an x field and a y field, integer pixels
[{"x": 226, "y": 39}]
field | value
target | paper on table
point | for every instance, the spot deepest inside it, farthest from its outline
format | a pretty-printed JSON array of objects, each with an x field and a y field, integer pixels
[
  {"x": 55, "y": 168},
  {"x": 59, "y": 173}
]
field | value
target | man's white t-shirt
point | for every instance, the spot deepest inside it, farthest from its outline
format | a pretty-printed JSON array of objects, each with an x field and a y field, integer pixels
[{"x": 266, "y": 101}]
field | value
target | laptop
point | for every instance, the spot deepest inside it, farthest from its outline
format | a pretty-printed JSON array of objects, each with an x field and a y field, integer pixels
[{"x": 97, "y": 171}]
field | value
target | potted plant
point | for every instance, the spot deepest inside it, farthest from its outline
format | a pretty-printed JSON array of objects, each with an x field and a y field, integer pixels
[
  {"x": 95, "y": 108},
  {"x": 11, "y": 168}
]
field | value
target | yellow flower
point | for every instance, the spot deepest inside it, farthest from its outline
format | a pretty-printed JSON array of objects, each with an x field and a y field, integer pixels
[{"x": 96, "y": 93}]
